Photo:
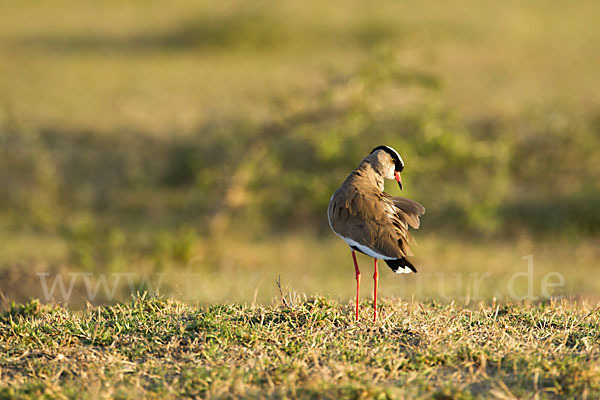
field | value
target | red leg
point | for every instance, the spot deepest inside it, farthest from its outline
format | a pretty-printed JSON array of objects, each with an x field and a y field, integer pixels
[
  {"x": 357, "y": 271},
  {"x": 375, "y": 279}
]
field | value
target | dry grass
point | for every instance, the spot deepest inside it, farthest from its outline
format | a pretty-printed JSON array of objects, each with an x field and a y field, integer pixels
[
  {"x": 112, "y": 111},
  {"x": 160, "y": 348}
]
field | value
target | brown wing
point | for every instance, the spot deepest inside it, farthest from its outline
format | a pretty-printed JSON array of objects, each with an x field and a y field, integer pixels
[
  {"x": 373, "y": 219},
  {"x": 409, "y": 209}
]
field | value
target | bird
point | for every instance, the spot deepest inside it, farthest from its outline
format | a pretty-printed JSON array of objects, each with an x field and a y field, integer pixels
[{"x": 373, "y": 222}]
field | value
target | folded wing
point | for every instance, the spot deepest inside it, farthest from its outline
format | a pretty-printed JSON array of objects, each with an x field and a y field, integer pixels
[{"x": 376, "y": 220}]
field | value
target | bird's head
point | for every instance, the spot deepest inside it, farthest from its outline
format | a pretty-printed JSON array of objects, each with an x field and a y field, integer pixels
[{"x": 390, "y": 162}]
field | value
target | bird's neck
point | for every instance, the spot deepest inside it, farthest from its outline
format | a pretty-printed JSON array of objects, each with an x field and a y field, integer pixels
[{"x": 366, "y": 175}]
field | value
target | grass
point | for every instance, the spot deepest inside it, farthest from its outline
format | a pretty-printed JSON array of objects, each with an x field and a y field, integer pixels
[
  {"x": 155, "y": 141},
  {"x": 301, "y": 347}
]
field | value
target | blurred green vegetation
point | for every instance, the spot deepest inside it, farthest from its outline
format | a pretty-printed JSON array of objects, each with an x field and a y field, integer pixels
[{"x": 139, "y": 135}]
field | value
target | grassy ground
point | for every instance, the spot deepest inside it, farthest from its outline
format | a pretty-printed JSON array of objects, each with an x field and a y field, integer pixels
[
  {"x": 301, "y": 347},
  {"x": 194, "y": 146}
]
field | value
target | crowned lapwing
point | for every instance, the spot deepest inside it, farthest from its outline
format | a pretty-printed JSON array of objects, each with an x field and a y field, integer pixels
[{"x": 373, "y": 222}]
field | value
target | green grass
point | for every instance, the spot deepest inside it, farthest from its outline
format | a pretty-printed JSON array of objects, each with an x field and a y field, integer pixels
[
  {"x": 301, "y": 347},
  {"x": 156, "y": 139}
]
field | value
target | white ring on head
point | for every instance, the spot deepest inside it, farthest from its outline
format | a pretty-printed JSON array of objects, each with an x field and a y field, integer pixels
[{"x": 396, "y": 153}]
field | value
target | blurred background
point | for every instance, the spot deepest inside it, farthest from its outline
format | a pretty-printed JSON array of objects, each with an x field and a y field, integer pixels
[{"x": 194, "y": 146}]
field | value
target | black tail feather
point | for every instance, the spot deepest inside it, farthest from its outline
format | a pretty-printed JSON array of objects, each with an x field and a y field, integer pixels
[{"x": 398, "y": 263}]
